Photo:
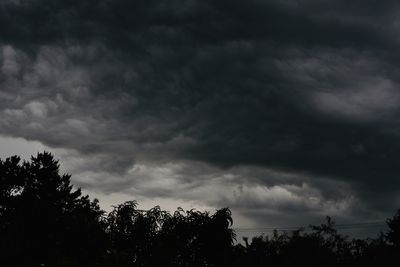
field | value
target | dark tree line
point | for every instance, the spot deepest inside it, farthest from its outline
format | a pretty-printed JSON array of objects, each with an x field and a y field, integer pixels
[{"x": 44, "y": 221}]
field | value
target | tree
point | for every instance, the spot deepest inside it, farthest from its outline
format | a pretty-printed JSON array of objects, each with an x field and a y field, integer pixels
[
  {"x": 393, "y": 235},
  {"x": 43, "y": 220},
  {"x": 155, "y": 237}
]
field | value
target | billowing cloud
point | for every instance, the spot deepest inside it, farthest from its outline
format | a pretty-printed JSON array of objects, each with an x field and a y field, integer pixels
[{"x": 274, "y": 108}]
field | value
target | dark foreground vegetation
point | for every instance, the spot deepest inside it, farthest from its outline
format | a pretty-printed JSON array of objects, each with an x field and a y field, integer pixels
[{"x": 45, "y": 222}]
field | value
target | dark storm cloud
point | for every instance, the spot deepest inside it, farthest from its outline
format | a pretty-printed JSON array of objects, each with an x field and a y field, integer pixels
[
  {"x": 305, "y": 87},
  {"x": 118, "y": 22}
]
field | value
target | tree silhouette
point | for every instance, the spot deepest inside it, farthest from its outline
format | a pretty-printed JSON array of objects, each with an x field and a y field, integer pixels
[
  {"x": 44, "y": 221},
  {"x": 43, "y": 218},
  {"x": 393, "y": 236},
  {"x": 155, "y": 237}
]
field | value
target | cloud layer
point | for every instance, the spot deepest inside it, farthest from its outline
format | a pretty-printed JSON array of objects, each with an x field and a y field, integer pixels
[{"x": 274, "y": 108}]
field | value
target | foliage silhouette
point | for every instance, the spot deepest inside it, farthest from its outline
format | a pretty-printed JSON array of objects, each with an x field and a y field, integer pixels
[
  {"x": 393, "y": 235},
  {"x": 44, "y": 221},
  {"x": 155, "y": 237}
]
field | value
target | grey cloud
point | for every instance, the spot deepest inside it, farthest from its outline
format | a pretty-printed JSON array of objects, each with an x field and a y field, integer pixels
[
  {"x": 239, "y": 188},
  {"x": 308, "y": 88}
]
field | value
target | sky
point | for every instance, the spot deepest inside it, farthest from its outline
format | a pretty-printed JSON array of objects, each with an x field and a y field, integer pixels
[{"x": 283, "y": 111}]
